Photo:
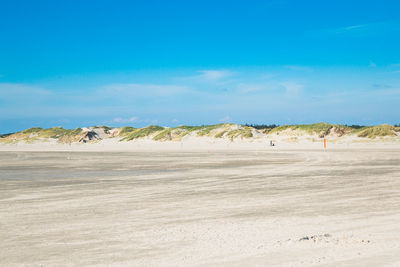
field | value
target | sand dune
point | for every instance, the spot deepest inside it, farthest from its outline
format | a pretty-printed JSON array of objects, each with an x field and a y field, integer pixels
[{"x": 219, "y": 134}]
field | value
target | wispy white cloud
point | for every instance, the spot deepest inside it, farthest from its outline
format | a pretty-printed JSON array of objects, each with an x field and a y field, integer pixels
[
  {"x": 214, "y": 74},
  {"x": 125, "y": 120},
  {"x": 267, "y": 76},
  {"x": 375, "y": 28},
  {"x": 292, "y": 88},
  {"x": 16, "y": 92},
  {"x": 348, "y": 29},
  {"x": 353, "y": 27},
  {"x": 109, "y": 100},
  {"x": 249, "y": 88}
]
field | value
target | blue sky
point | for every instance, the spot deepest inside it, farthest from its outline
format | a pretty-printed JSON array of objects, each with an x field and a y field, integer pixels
[{"x": 80, "y": 63}]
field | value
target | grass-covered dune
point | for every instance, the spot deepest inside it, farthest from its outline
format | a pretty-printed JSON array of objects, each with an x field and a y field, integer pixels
[
  {"x": 227, "y": 131},
  {"x": 379, "y": 131},
  {"x": 35, "y": 134}
]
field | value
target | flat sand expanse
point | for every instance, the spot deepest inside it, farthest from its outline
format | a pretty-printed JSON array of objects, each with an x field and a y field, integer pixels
[{"x": 223, "y": 208}]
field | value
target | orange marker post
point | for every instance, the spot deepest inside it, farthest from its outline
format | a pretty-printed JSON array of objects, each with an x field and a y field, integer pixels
[{"x": 324, "y": 143}]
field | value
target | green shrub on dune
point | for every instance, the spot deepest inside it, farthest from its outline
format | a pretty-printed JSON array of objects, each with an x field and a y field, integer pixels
[
  {"x": 32, "y": 130},
  {"x": 205, "y": 130},
  {"x": 164, "y": 135},
  {"x": 179, "y": 132},
  {"x": 378, "y": 131},
  {"x": 309, "y": 128},
  {"x": 188, "y": 129},
  {"x": 126, "y": 131},
  {"x": 221, "y": 134},
  {"x": 263, "y": 128},
  {"x": 35, "y": 134},
  {"x": 70, "y": 136},
  {"x": 244, "y": 132},
  {"x": 176, "y": 133},
  {"x": 142, "y": 132},
  {"x": 53, "y": 132},
  {"x": 321, "y": 129}
]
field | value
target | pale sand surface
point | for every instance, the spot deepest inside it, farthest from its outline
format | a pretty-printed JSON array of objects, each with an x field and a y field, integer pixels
[
  {"x": 197, "y": 144},
  {"x": 218, "y": 208}
]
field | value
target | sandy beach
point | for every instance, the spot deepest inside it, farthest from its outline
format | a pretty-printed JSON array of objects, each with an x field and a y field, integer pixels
[
  {"x": 199, "y": 133},
  {"x": 226, "y": 207}
]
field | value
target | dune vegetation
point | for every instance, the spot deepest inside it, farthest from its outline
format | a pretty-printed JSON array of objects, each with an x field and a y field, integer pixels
[
  {"x": 142, "y": 132},
  {"x": 227, "y": 131},
  {"x": 243, "y": 132},
  {"x": 321, "y": 129},
  {"x": 35, "y": 134},
  {"x": 378, "y": 131},
  {"x": 125, "y": 131}
]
